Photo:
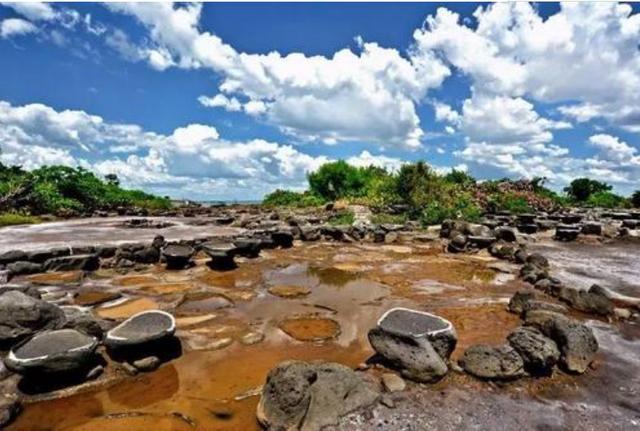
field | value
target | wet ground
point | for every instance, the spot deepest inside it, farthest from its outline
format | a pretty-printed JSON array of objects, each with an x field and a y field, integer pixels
[
  {"x": 105, "y": 231},
  {"x": 317, "y": 301}
]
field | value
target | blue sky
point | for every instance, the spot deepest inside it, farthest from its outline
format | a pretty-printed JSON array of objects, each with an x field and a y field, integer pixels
[{"x": 230, "y": 101}]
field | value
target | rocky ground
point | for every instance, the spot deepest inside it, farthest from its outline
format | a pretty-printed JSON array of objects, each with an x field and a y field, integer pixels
[{"x": 512, "y": 335}]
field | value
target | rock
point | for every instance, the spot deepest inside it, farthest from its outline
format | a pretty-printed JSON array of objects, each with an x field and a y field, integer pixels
[
  {"x": 282, "y": 238},
  {"x": 578, "y": 346},
  {"x": 309, "y": 233},
  {"x": 536, "y": 259},
  {"x": 24, "y": 267},
  {"x": 22, "y": 315},
  {"x": 566, "y": 233},
  {"x": 449, "y": 227},
  {"x": 538, "y": 352},
  {"x": 481, "y": 241},
  {"x": 493, "y": 363},
  {"x": 592, "y": 228},
  {"x": 393, "y": 382},
  {"x": 147, "y": 255},
  {"x": 544, "y": 320},
  {"x": 418, "y": 344},
  {"x": 150, "y": 363},
  {"x": 10, "y": 407},
  {"x": 221, "y": 254},
  {"x": 41, "y": 256},
  {"x": 502, "y": 250},
  {"x": 251, "y": 338},
  {"x": 404, "y": 322},
  {"x": 519, "y": 300},
  {"x": 310, "y": 396},
  {"x": 13, "y": 256},
  {"x": 595, "y": 300},
  {"x": 81, "y": 319},
  {"x": 177, "y": 256},
  {"x": 84, "y": 262},
  {"x": 141, "y": 328},
  {"x": 506, "y": 234},
  {"x": 287, "y": 291},
  {"x": 457, "y": 243},
  {"x": 57, "y": 351},
  {"x": 379, "y": 235},
  {"x": 529, "y": 229},
  {"x": 248, "y": 247}
]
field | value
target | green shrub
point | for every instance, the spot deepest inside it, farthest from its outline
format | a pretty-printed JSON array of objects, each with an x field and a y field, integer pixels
[
  {"x": 635, "y": 199},
  {"x": 606, "y": 200},
  {"x": 342, "y": 218},
  {"x": 383, "y": 218},
  {"x": 10, "y": 219},
  {"x": 287, "y": 198},
  {"x": 462, "y": 207},
  {"x": 581, "y": 188},
  {"x": 513, "y": 203}
]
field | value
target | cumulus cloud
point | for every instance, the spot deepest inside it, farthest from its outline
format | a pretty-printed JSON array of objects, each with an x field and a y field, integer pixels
[
  {"x": 365, "y": 159},
  {"x": 367, "y": 96},
  {"x": 178, "y": 163},
  {"x": 11, "y": 27},
  {"x": 34, "y": 11}
]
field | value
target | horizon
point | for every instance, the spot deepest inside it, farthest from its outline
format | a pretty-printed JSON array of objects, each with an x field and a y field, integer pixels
[{"x": 228, "y": 102}]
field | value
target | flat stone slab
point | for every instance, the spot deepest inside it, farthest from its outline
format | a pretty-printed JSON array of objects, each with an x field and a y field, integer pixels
[
  {"x": 405, "y": 322},
  {"x": 52, "y": 351},
  {"x": 141, "y": 328},
  {"x": 218, "y": 250}
]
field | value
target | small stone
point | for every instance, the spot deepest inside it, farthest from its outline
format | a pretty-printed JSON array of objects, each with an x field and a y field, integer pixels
[
  {"x": 149, "y": 363},
  {"x": 387, "y": 401},
  {"x": 95, "y": 372},
  {"x": 393, "y": 382},
  {"x": 622, "y": 313},
  {"x": 286, "y": 291},
  {"x": 251, "y": 338},
  {"x": 129, "y": 369}
]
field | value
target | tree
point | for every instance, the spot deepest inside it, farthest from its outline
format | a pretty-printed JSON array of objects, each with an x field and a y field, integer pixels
[
  {"x": 459, "y": 177},
  {"x": 581, "y": 188},
  {"x": 337, "y": 180},
  {"x": 635, "y": 199},
  {"x": 112, "y": 179}
]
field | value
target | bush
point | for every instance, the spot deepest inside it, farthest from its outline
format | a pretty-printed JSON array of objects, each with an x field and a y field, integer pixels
[
  {"x": 513, "y": 203},
  {"x": 462, "y": 207},
  {"x": 337, "y": 180},
  {"x": 289, "y": 198},
  {"x": 606, "y": 200},
  {"x": 635, "y": 199},
  {"x": 342, "y": 218},
  {"x": 581, "y": 188},
  {"x": 10, "y": 219}
]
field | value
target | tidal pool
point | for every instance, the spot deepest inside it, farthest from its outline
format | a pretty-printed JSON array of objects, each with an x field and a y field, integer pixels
[{"x": 228, "y": 350}]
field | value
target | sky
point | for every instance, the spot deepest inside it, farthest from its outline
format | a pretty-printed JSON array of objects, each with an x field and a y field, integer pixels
[{"x": 229, "y": 101}]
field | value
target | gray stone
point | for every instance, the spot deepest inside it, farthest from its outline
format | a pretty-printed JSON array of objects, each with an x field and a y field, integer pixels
[
  {"x": 578, "y": 346},
  {"x": 13, "y": 256},
  {"x": 141, "y": 328},
  {"x": 22, "y": 315},
  {"x": 592, "y": 228},
  {"x": 407, "y": 323},
  {"x": 177, "y": 256},
  {"x": 84, "y": 262},
  {"x": 23, "y": 268},
  {"x": 221, "y": 254},
  {"x": 519, "y": 300},
  {"x": 311, "y": 396},
  {"x": 393, "y": 382},
  {"x": 150, "y": 363},
  {"x": 506, "y": 234},
  {"x": 248, "y": 247},
  {"x": 538, "y": 352},
  {"x": 61, "y": 350},
  {"x": 457, "y": 243},
  {"x": 595, "y": 300},
  {"x": 493, "y": 362}
]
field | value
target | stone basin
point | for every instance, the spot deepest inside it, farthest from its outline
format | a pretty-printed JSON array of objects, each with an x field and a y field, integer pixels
[
  {"x": 141, "y": 328},
  {"x": 62, "y": 350},
  {"x": 177, "y": 255}
]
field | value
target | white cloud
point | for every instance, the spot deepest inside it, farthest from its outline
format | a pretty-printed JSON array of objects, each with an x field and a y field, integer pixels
[
  {"x": 35, "y": 11},
  {"x": 221, "y": 101},
  {"x": 11, "y": 27},
  {"x": 612, "y": 148},
  {"x": 366, "y": 159},
  {"x": 369, "y": 96}
]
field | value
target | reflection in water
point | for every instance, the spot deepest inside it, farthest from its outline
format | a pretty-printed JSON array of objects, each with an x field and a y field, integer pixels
[{"x": 147, "y": 389}]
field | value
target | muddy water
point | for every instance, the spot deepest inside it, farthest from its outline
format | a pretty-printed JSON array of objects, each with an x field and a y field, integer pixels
[
  {"x": 215, "y": 384},
  {"x": 104, "y": 231}
]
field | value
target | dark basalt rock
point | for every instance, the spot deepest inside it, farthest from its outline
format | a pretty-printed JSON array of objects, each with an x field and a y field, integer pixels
[
  {"x": 418, "y": 344},
  {"x": 595, "y": 300},
  {"x": 81, "y": 319},
  {"x": 309, "y": 233},
  {"x": 519, "y": 300},
  {"x": 42, "y": 256},
  {"x": 592, "y": 228},
  {"x": 528, "y": 228},
  {"x": 84, "y": 262},
  {"x": 23, "y": 268},
  {"x": 141, "y": 328},
  {"x": 58, "y": 351},
  {"x": 282, "y": 238},
  {"x": 221, "y": 255},
  {"x": 248, "y": 247},
  {"x": 311, "y": 396},
  {"x": 147, "y": 255},
  {"x": 457, "y": 244},
  {"x": 481, "y": 241},
  {"x": 538, "y": 260},
  {"x": 578, "y": 346},
  {"x": 493, "y": 363},
  {"x": 13, "y": 256},
  {"x": 538, "y": 352},
  {"x": 22, "y": 315},
  {"x": 506, "y": 234},
  {"x": 567, "y": 232},
  {"x": 177, "y": 256}
]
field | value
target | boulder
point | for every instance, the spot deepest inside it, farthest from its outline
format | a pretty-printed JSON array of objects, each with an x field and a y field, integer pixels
[
  {"x": 147, "y": 255},
  {"x": 528, "y": 228},
  {"x": 592, "y": 228},
  {"x": 493, "y": 362},
  {"x": 41, "y": 256},
  {"x": 58, "y": 351},
  {"x": 84, "y": 262},
  {"x": 538, "y": 352},
  {"x": 416, "y": 343},
  {"x": 502, "y": 250},
  {"x": 150, "y": 363},
  {"x": 457, "y": 243},
  {"x": 518, "y": 301},
  {"x": 141, "y": 328},
  {"x": 282, "y": 238},
  {"x": 221, "y": 254},
  {"x": 177, "y": 256},
  {"x": 506, "y": 234},
  {"x": 248, "y": 247},
  {"x": 567, "y": 232},
  {"x": 595, "y": 300},
  {"x": 22, "y": 315},
  {"x": 481, "y": 241},
  {"x": 311, "y": 396},
  {"x": 81, "y": 319},
  {"x": 23, "y": 267},
  {"x": 538, "y": 260},
  {"x": 578, "y": 346},
  {"x": 13, "y": 256},
  {"x": 309, "y": 233}
]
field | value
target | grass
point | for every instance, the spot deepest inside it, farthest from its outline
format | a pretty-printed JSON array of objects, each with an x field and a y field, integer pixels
[
  {"x": 383, "y": 218},
  {"x": 11, "y": 219},
  {"x": 342, "y": 218}
]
